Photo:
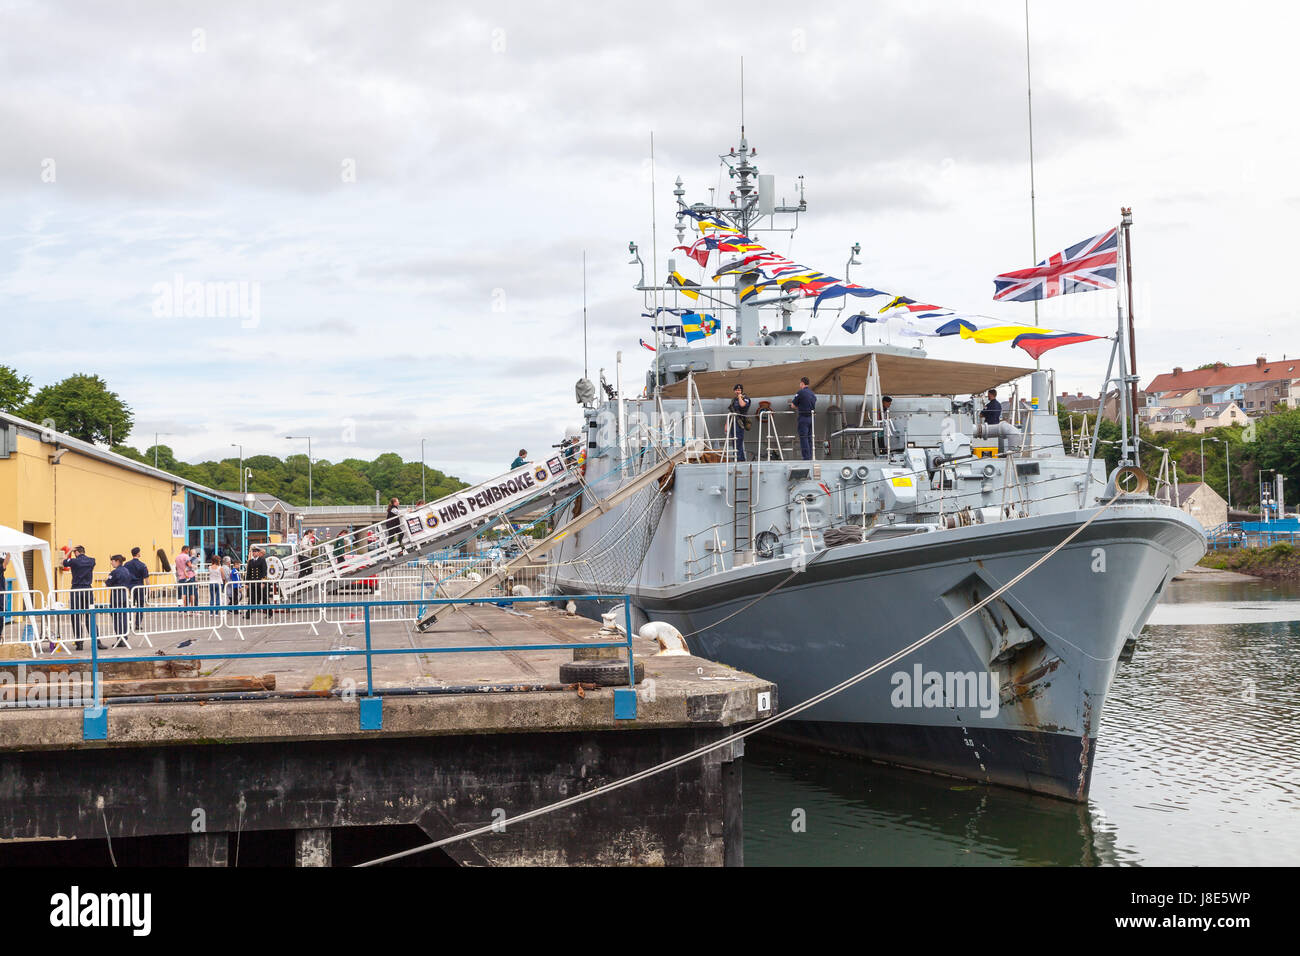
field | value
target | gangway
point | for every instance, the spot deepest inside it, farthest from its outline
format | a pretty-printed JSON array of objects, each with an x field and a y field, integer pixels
[
  {"x": 497, "y": 576},
  {"x": 433, "y": 527}
]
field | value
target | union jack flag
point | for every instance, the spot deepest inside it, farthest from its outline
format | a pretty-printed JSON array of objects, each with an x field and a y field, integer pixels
[{"x": 1083, "y": 267}]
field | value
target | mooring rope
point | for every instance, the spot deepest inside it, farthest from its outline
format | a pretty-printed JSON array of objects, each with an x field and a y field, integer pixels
[{"x": 498, "y": 826}]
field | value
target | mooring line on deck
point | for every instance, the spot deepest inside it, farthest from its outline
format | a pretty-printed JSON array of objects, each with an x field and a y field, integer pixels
[{"x": 500, "y": 825}]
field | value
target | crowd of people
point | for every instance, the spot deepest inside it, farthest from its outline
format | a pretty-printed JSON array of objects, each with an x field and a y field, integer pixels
[
  {"x": 125, "y": 581},
  {"x": 228, "y": 581},
  {"x": 128, "y": 582}
]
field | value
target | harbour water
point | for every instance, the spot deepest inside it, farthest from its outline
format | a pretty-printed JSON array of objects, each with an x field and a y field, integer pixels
[{"x": 1199, "y": 764}]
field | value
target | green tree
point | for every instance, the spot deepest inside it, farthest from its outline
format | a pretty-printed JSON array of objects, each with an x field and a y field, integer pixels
[
  {"x": 14, "y": 389},
  {"x": 1276, "y": 447},
  {"x": 82, "y": 406}
]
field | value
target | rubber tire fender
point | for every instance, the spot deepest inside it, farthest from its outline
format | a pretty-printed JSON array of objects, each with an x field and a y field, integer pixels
[{"x": 601, "y": 673}]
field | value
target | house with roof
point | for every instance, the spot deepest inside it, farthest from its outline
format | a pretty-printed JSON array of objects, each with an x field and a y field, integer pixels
[
  {"x": 1258, "y": 389},
  {"x": 1203, "y": 503},
  {"x": 1216, "y": 394},
  {"x": 1264, "y": 398},
  {"x": 1110, "y": 409},
  {"x": 1198, "y": 418},
  {"x": 1078, "y": 402}
]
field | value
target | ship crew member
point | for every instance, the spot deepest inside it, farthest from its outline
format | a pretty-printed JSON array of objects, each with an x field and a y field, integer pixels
[
  {"x": 256, "y": 573},
  {"x": 521, "y": 460},
  {"x": 120, "y": 580},
  {"x": 569, "y": 448},
  {"x": 83, "y": 572},
  {"x": 739, "y": 409},
  {"x": 886, "y": 426},
  {"x": 139, "y": 572},
  {"x": 992, "y": 411},
  {"x": 803, "y": 403}
]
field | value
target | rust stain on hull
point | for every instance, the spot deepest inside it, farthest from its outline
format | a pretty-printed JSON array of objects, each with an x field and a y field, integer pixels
[{"x": 1085, "y": 750}]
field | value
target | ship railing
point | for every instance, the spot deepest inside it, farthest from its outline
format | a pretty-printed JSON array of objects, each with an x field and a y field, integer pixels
[
  {"x": 93, "y": 700},
  {"x": 708, "y": 557},
  {"x": 769, "y": 443}
]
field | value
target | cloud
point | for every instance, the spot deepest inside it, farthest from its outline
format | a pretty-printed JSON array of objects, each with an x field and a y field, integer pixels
[{"x": 412, "y": 189}]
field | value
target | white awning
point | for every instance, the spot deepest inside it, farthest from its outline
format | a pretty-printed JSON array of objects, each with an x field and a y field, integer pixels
[
  {"x": 14, "y": 544},
  {"x": 899, "y": 375}
]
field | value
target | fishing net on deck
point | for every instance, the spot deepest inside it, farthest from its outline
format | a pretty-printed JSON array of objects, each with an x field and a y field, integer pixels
[{"x": 608, "y": 565}]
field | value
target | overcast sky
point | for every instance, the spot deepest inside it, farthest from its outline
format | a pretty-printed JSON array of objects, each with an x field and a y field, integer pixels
[{"x": 408, "y": 188}]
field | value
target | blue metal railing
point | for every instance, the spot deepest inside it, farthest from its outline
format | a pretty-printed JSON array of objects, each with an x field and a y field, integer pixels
[
  {"x": 1251, "y": 534},
  {"x": 1225, "y": 535},
  {"x": 96, "y": 713}
]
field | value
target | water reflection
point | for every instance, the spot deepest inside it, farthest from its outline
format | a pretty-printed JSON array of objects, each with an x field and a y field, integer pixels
[
  {"x": 1198, "y": 764},
  {"x": 861, "y": 814}
]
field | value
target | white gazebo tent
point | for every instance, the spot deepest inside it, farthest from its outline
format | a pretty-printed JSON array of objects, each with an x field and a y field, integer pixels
[{"x": 13, "y": 545}]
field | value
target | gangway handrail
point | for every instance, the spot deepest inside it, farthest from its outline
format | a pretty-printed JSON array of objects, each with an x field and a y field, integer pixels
[
  {"x": 374, "y": 547},
  {"x": 597, "y": 508}
]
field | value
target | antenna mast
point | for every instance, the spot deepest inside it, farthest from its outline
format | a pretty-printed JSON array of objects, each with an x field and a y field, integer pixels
[
  {"x": 742, "y": 97},
  {"x": 584, "y": 313},
  {"x": 1033, "y": 211},
  {"x": 654, "y": 253}
]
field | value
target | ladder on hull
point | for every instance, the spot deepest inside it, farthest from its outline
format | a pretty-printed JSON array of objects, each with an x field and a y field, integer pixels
[
  {"x": 742, "y": 510},
  {"x": 590, "y": 512}
]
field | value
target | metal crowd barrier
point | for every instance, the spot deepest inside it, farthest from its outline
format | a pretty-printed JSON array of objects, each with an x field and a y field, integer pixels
[
  {"x": 16, "y": 624},
  {"x": 169, "y": 609},
  {"x": 95, "y": 719}
]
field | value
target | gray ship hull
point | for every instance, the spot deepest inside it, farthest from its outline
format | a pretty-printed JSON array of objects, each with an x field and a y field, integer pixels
[{"x": 1011, "y": 696}]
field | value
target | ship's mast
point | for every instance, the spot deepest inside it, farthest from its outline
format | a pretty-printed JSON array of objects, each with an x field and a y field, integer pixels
[
  {"x": 752, "y": 200},
  {"x": 752, "y": 208}
]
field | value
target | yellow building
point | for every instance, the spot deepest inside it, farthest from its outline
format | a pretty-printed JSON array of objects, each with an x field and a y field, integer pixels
[{"x": 70, "y": 492}]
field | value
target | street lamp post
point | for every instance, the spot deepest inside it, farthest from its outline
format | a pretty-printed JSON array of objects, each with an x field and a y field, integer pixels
[
  {"x": 1203, "y": 441},
  {"x": 1227, "y": 473},
  {"x": 308, "y": 438},
  {"x": 241, "y": 466}
]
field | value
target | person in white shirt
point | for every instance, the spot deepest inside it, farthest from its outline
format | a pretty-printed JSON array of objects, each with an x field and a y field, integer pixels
[{"x": 217, "y": 578}]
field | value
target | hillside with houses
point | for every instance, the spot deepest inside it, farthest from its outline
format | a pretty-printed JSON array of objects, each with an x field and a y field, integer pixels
[{"x": 1231, "y": 434}]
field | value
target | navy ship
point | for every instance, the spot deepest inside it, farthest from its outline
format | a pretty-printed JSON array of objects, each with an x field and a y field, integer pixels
[{"x": 906, "y": 512}]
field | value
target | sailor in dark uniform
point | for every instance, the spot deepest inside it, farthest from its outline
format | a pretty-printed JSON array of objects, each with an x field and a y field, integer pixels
[
  {"x": 256, "y": 573},
  {"x": 120, "y": 581},
  {"x": 83, "y": 574},
  {"x": 803, "y": 403},
  {"x": 992, "y": 411},
  {"x": 139, "y": 572},
  {"x": 739, "y": 408}
]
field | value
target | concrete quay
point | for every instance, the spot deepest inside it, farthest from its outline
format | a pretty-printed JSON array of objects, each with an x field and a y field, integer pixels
[{"x": 466, "y": 739}]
